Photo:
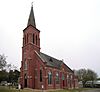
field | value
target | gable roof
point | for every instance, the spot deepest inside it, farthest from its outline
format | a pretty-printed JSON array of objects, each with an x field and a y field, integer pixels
[{"x": 50, "y": 61}]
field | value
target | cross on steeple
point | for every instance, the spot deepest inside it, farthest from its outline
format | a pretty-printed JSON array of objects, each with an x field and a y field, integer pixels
[{"x": 32, "y": 4}]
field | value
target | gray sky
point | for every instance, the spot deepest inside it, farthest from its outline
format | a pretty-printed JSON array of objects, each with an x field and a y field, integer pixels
[{"x": 70, "y": 30}]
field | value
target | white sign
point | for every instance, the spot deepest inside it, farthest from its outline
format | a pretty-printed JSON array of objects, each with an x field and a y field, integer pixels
[{"x": 42, "y": 86}]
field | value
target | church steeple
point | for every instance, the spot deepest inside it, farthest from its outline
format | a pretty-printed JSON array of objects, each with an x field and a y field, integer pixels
[
  {"x": 31, "y": 20},
  {"x": 31, "y": 35}
]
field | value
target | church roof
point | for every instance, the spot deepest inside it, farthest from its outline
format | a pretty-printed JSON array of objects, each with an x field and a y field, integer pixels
[
  {"x": 31, "y": 20},
  {"x": 50, "y": 61}
]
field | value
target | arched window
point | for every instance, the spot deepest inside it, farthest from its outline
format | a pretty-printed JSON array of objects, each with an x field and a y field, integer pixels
[
  {"x": 27, "y": 38},
  {"x": 33, "y": 38},
  {"x": 63, "y": 78},
  {"x": 68, "y": 79},
  {"x": 25, "y": 65},
  {"x": 36, "y": 39},
  {"x": 40, "y": 75},
  {"x": 49, "y": 77},
  {"x": 57, "y": 78},
  {"x": 71, "y": 77},
  {"x": 35, "y": 71}
]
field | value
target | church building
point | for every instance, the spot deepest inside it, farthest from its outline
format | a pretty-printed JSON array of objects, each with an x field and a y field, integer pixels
[{"x": 39, "y": 70}]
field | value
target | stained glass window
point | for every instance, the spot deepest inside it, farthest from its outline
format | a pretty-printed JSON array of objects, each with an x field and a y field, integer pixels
[{"x": 49, "y": 77}]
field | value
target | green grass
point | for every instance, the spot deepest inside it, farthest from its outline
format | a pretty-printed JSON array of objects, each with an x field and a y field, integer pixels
[
  {"x": 66, "y": 90},
  {"x": 6, "y": 89},
  {"x": 71, "y": 90}
]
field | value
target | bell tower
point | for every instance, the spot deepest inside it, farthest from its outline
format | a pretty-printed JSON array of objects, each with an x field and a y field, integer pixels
[{"x": 31, "y": 43}]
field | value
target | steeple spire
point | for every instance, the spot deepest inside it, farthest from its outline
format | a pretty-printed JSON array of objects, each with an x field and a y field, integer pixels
[{"x": 31, "y": 20}]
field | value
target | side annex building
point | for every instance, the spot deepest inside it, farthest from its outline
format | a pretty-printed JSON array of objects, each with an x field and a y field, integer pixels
[{"x": 38, "y": 69}]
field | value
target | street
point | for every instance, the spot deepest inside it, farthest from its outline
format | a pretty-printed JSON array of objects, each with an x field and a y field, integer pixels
[{"x": 94, "y": 90}]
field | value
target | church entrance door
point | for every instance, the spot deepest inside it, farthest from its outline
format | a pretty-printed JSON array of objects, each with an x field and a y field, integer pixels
[
  {"x": 25, "y": 82},
  {"x": 63, "y": 84}
]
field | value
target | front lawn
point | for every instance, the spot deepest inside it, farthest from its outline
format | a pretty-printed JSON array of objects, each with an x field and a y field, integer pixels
[
  {"x": 70, "y": 90},
  {"x": 6, "y": 89}
]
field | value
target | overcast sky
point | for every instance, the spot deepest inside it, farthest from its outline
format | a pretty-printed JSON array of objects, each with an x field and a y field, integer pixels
[{"x": 70, "y": 30}]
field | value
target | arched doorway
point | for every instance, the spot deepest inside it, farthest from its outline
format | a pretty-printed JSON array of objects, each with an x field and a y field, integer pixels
[{"x": 25, "y": 80}]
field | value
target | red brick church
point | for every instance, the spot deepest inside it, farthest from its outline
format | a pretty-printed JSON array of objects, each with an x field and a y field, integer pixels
[{"x": 39, "y": 70}]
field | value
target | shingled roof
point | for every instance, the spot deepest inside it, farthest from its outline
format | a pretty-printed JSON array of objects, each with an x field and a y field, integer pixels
[{"x": 50, "y": 61}]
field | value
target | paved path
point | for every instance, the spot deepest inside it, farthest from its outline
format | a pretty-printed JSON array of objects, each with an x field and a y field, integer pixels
[{"x": 94, "y": 90}]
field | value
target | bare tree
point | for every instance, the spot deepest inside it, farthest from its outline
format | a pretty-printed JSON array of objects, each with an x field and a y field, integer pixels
[
  {"x": 2, "y": 61},
  {"x": 85, "y": 75}
]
